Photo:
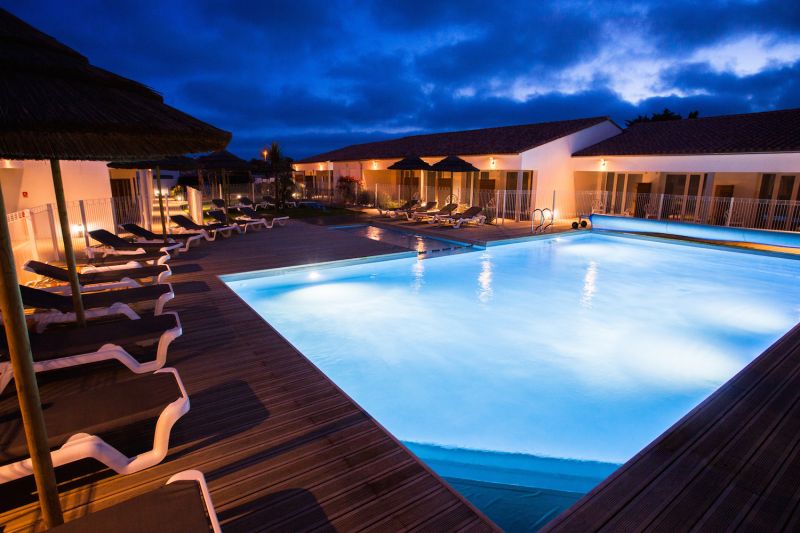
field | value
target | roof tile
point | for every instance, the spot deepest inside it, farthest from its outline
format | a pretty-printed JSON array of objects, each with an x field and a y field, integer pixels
[
  {"x": 771, "y": 131},
  {"x": 501, "y": 140}
]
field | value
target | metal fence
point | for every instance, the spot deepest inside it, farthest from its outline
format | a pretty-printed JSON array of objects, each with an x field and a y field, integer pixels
[
  {"x": 36, "y": 232},
  {"x": 500, "y": 205},
  {"x": 781, "y": 215}
]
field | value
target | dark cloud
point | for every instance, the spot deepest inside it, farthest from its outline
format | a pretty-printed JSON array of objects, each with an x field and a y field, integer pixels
[{"x": 316, "y": 75}]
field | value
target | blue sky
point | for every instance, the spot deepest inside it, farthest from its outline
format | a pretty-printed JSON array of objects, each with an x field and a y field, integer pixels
[{"x": 315, "y": 76}]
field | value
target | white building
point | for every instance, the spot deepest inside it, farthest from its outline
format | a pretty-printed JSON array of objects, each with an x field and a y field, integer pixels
[
  {"x": 738, "y": 170},
  {"x": 532, "y": 160},
  {"x": 731, "y": 169}
]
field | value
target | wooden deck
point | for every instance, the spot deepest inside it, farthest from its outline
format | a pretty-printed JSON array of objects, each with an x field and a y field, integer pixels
[
  {"x": 282, "y": 447},
  {"x": 732, "y": 463},
  {"x": 477, "y": 235}
]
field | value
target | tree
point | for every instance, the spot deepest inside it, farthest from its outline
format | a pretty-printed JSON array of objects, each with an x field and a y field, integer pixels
[
  {"x": 280, "y": 168},
  {"x": 664, "y": 116}
]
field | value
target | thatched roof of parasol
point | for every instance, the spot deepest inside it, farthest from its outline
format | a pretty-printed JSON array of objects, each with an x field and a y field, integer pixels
[
  {"x": 453, "y": 163},
  {"x": 55, "y": 105},
  {"x": 410, "y": 163},
  {"x": 180, "y": 162},
  {"x": 222, "y": 160}
]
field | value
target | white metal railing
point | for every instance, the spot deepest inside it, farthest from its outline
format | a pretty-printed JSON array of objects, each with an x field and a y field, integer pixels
[
  {"x": 781, "y": 215},
  {"x": 500, "y": 205},
  {"x": 36, "y": 232}
]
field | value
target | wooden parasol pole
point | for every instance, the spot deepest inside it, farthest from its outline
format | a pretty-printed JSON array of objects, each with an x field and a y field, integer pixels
[
  {"x": 226, "y": 187},
  {"x": 161, "y": 204},
  {"x": 66, "y": 236},
  {"x": 30, "y": 406}
]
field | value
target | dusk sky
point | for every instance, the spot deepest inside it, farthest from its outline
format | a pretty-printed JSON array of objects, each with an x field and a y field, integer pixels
[{"x": 315, "y": 76}]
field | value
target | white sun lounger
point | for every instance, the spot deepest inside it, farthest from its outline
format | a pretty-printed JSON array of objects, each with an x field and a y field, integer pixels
[
  {"x": 182, "y": 504},
  {"x": 74, "y": 424},
  {"x": 100, "y": 341}
]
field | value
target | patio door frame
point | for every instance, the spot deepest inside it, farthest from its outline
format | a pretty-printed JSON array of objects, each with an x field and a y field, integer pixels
[
  {"x": 687, "y": 181},
  {"x": 773, "y": 199}
]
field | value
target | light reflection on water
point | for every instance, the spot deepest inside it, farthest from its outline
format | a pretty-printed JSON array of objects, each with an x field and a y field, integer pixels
[
  {"x": 589, "y": 281},
  {"x": 587, "y": 348},
  {"x": 485, "y": 279}
]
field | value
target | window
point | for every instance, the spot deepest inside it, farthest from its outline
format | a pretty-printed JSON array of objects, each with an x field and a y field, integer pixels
[
  {"x": 785, "y": 188},
  {"x": 767, "y": 183},
  {"x": 511, "y": 181}
]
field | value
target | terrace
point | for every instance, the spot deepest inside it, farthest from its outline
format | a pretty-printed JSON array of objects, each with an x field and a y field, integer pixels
[
  {"x": 283, "y": 447},
  {"x": 501, "y": 374}
]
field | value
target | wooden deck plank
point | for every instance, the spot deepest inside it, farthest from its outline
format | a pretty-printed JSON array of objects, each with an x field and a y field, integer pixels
[{"x": 280, "y": 444}]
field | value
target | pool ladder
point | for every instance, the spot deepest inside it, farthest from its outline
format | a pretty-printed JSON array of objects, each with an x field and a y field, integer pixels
[{"x": 545, "y": 222}]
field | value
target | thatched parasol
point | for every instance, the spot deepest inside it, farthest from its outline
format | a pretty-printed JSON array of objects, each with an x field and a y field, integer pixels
[
  {"x": 180, "y": 162},
  {"x": 451, "y": 164},
  {"x": 55, "y": 105},
  {"x": 411, "y": 163},
  {"x": 65, "y": 108},
  {"x": 224, "y": 162}
]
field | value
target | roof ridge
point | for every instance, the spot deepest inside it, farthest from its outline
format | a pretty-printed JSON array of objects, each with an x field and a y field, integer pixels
[{"x": 714, "y": 117}]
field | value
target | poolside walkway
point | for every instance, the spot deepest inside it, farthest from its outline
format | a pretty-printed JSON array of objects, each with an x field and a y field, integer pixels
[
  {"x": 281, "y": 446},
  {"x": 477, "y": 235}
]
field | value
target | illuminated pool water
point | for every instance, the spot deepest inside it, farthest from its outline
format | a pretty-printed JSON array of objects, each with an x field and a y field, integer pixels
[{"x": 540, "y": 364}]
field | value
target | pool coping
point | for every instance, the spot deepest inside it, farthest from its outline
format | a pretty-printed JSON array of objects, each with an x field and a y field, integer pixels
[
  {"x": 321, "y": 265},
  {"x": 710, "y": 245}
]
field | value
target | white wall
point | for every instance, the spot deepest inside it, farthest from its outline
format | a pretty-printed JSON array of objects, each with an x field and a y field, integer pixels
[
  {"x": 29, "y": 184},
  {"x": 355, "y": 168},
  {"x": 767, "y": 162},
  {"x": 553, "y": 163}
]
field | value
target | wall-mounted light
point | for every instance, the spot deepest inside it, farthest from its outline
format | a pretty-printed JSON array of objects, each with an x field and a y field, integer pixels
[
  {"x": 602, "y": 163},
  {"x": 321, "y": 167},
  {"x": 374, "y": 165},
  {"x": 492, "y": 162}
]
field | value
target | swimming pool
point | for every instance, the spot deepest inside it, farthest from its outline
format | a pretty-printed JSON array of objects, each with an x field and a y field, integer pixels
[
  {"x": 539, "y": 364},
  {"x": 422, "y": 244}
]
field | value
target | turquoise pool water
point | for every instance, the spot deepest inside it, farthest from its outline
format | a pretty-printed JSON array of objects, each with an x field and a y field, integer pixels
[{"x": 539, "y": 364}]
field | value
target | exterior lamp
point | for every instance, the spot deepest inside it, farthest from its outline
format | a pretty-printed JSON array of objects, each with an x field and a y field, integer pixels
[
  {"x": 602, "y": 163},
  {"x": 492, "y": 162},
  {"x": 374, "y": 165}
]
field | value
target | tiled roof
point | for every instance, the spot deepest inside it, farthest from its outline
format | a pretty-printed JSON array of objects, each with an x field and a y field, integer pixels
[
  {"x": 771, "y": 131},
  {"x": 502, "y": 140}
]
